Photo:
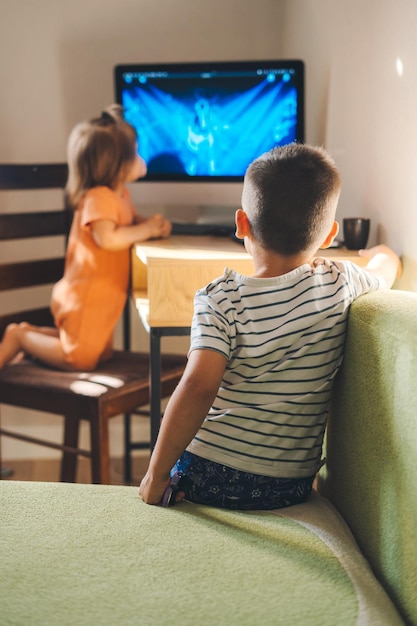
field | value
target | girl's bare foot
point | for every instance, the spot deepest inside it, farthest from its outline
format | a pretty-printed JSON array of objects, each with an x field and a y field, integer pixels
[
  {"x": 10, "y": 346},
  {"x": 19, "y": 357}
]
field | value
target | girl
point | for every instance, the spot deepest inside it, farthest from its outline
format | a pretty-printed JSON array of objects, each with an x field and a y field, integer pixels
[{"x": 88, "y": 301}]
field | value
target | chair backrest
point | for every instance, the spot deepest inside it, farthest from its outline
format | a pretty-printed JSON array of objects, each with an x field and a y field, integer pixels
[{"x": 22, "y": 226}]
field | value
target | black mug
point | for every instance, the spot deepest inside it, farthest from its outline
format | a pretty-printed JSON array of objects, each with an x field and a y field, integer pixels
[{"x": 356, "y": 232}]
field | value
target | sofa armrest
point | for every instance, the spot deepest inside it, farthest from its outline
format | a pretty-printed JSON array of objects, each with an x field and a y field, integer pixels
[{"x": 371, "y": 441}]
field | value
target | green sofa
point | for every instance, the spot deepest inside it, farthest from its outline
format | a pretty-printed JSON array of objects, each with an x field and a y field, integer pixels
[
  {"x": 96, "y": 555},
  {"x": 372, "y": 441}
]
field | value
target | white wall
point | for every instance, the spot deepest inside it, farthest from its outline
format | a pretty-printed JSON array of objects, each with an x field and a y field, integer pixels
[
  {"x": 357, "y": 104},
  {"x": 363, "y": 110}
]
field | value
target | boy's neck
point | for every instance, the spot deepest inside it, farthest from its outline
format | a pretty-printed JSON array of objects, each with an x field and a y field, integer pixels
[{"x": 270, "y": 264}]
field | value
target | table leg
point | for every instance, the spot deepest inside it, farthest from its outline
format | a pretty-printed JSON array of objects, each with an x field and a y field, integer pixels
[
  {"x": 155, "y": 383},
  {"x": 155, "y": 368}
]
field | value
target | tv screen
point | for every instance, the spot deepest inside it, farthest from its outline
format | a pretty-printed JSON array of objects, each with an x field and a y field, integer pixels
[{"x": 208, "y": 121}]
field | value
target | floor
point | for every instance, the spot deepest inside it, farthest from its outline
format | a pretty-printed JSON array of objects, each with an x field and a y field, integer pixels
[{"x": 47, "y": 470}]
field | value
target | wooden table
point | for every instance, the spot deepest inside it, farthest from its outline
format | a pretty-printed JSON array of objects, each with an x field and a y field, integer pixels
[{"x": 165, "y": 276}]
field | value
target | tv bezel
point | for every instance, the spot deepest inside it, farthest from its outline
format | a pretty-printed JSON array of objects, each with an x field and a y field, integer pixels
[{"x": 213, "y": 66}]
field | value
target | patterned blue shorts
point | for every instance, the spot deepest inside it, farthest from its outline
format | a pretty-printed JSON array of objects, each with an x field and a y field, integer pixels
[{"x": 207, "y": 482}]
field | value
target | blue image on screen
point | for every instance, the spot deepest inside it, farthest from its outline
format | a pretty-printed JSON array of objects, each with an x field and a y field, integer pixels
[{"x": 210, "y": 128}]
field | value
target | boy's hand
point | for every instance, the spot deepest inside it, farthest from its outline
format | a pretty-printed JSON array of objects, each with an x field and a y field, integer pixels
[
  {"x": 151, "y": 490},
  {"x": 383, "y": 250},
  {"x": 371, "y": 252}
]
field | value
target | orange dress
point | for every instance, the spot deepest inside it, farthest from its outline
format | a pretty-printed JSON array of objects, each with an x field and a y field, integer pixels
[{"x": 88, "y": 301}]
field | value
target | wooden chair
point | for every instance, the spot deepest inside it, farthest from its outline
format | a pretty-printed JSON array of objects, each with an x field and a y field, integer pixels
[{"x": 118, "y": 387}]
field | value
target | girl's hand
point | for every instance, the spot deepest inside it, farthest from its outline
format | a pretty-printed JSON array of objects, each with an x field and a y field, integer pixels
[
  {"x": 110, "y": 236},
  {"x": 152, "y": 490},
  {"x": 158, "y": 226}
]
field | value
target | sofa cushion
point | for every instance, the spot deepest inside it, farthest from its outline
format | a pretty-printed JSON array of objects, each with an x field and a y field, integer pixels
[{"x": 96, "y": 554}]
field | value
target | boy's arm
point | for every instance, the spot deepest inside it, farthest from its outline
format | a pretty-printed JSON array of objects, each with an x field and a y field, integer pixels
[
  {"x": 383, "y": 263},
  {"x": 185, "y": 412}
]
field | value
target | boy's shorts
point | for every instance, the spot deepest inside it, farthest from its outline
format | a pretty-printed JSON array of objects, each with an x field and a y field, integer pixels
[{"x": 207, "y": 482}]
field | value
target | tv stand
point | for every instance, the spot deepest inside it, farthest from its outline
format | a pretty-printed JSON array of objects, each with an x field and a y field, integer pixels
[{"x": 202, "y": 228}]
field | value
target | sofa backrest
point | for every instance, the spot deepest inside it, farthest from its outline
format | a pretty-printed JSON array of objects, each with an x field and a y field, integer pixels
[{"x": 371, "y": 441}]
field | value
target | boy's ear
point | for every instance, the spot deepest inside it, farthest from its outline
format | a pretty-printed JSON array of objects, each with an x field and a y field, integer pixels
[
  {"x": 242, "y": 224},
  {"x": 330, "y": 237}
]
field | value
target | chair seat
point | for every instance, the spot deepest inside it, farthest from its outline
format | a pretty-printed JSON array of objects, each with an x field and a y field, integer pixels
[
  {"x": 116, "y": 387},
  {"x": 32, "y": 385}
]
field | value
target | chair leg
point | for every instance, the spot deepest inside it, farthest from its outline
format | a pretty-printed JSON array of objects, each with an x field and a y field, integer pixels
[
  {"x": 69, "y": 459},
  {"x": 5, "y": 472},
  {"x": 128, "y": 448},
  {"x": 100, "y": 456}
]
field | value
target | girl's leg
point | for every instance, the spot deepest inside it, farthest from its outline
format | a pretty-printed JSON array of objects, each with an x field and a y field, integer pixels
[
  {"x": 45, "y": 330},
  {"x": 45, "y": 346}
]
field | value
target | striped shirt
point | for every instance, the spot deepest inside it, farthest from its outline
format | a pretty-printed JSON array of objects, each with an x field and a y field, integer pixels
[{"x": 283, "y": 339}]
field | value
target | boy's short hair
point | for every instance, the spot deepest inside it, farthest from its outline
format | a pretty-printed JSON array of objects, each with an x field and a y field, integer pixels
[
  {"x": 290, "y": 195},
  {"x": 99, "y": 153}
]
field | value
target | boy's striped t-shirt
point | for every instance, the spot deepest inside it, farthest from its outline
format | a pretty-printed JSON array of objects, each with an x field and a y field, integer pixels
[{"x": 283, "y": 339}]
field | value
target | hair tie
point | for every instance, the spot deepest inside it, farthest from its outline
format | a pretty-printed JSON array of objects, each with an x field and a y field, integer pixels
[{"x": 106, "y": 119}]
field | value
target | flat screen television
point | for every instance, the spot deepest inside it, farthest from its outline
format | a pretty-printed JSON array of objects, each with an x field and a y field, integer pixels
[{"x": 206, "y": 121}]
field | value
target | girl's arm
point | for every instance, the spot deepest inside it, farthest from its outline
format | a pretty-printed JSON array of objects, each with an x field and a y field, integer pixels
[
  {"x": 138, "y": 219},
  {"x": 185, "y": 412},
  {"x": 111, "y": 236}
]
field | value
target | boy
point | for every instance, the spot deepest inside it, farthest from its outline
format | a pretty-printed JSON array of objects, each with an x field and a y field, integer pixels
[{"x": 247, "y": 419}]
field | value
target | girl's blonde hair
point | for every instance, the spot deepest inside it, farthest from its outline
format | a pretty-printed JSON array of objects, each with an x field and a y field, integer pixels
[{"x": 99, "y": 153}]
